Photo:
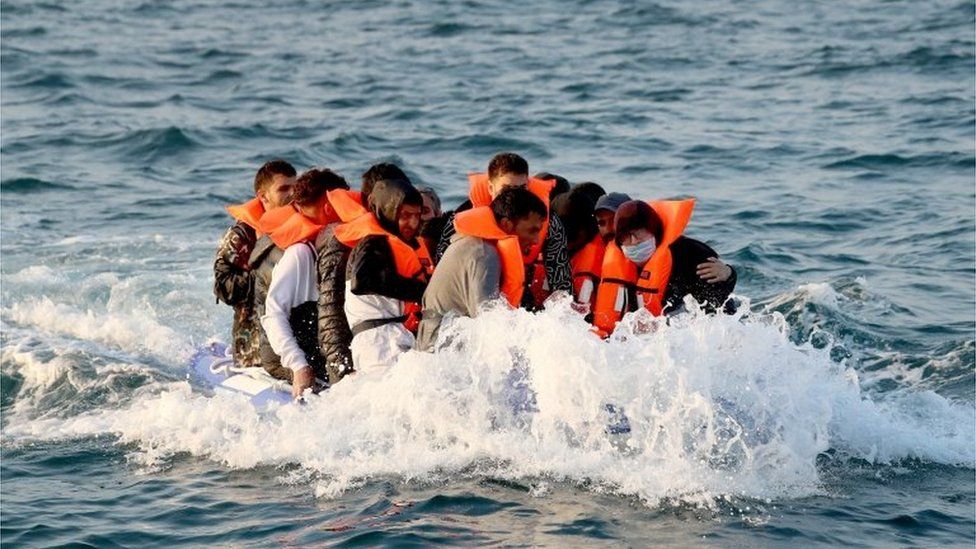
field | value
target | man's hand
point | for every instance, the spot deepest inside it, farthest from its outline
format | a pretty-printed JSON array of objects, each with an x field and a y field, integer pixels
[
  {"x": 714, "y": 271},
  {"x": 301, "y": 380}
]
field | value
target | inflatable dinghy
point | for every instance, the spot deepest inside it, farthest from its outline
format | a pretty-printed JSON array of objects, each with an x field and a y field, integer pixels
[{"x": 214, "y": 367}]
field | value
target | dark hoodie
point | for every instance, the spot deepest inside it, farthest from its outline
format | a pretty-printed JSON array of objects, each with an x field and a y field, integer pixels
[{"x": 370, "y": 269}]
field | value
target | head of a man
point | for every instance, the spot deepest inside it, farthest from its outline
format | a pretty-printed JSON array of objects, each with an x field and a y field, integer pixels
[
  {"x": 560, "y": 184},
  {"x": 507, "y": 170},
  {"x": 432, "y": 203},
  {"x": 605, "y": 212},
  {"x": 575, "y": 211},
  {"x": 519, "y": 212},
  {"x": 310, "y": 194},
  {"x": 397, "y": 206},
  {"x": 638, "y": 230},
  {"x": 379, "y": 172},
  {"x": 273, "y": 183}
]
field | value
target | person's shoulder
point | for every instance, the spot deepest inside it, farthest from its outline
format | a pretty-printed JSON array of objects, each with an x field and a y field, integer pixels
[
  {"x": 690, "y": 244},
  {"x": 299, "y": 251},
  {"x": 685, "y": 246},
  {"x": 469, "y": 249}
]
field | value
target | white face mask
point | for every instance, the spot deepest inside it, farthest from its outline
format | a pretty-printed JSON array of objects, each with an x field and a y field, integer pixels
[{"x": 640, "y": 253}]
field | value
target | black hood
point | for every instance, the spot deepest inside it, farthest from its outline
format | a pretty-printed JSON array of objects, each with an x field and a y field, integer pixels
[{"x": 387, "y": 197}]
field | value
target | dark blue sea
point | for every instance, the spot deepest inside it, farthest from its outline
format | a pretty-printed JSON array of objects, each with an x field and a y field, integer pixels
[{"x": 831, "y": 147}]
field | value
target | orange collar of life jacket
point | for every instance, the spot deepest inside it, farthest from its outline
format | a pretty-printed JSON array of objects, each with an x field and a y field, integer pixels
[
  {"x": 480, "y": 223},
  {"x": 286, "y": 226},
  {"x": 347, "y": 204},
  {"x": 653, "y": 280},
  {"x": 587, "y": 263},
  {"x": 248, "y": 213},
  {"x": 479, "y": 196},
  {"x": 410, "y": 262}
]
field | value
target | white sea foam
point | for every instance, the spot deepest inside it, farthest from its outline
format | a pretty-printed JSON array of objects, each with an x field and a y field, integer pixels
[
  {"x": 122, "y": 327},
  {"x": 36, "y": 274},
  {"x": 722, "y": 405}
]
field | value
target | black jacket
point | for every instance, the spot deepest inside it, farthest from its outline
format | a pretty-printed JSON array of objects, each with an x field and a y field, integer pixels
[
  {"x": 370, "y": 269},
  {"x": 334, "y": 334},
  {"x": 687, "y": 254}
]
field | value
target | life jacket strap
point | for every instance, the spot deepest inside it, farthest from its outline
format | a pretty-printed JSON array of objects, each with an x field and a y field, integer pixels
[{"x": 361, "y": 327}]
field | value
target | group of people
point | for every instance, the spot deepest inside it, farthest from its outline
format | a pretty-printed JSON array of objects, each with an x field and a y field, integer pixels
[{"x": 325, "y": 280}]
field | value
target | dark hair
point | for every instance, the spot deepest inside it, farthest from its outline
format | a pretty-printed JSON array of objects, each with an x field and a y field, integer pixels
[
  {"x": 589, "y": 189},
  {"x": 516, "y": 203},
  {"x": 379, "y": 172},
  {"x": 635, "y": 215},
  {"x": 575, "y": 211},
  {"x": 314, "y": 183},
  {"x": 503, "y": 163},
  {"x": 427, "y": 190},
  {"x": 561, "y": 186},
  {"x": 266, "y": 173}
]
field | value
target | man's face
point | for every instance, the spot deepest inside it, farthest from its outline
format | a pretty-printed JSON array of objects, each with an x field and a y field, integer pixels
[
  {"x": 496, "y": 185},
  {"x": 408, "y": 221},
  {"x": 527, "y": 230},
  {"x": 604, "y": 222},
  {"x": 429, "y": 210},
  {"x": 278, "y": 193}
]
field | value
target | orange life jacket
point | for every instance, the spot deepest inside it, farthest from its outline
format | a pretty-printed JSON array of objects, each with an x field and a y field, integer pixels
[
  {"x": 410, "y": 263},
  {"x": 480, "y": 223},
  {"x": 620, "y": 274},
  {"x": 535, "y": 263},
  {"x": 248, "y": 213},
  {"x": 286, "y": 226},
  {"x": 348, "y": 205},
  {"x": 587, "y": 264}
]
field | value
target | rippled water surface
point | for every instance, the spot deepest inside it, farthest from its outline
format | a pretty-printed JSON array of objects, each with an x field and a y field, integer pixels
[{"x": 831, "y": 150}]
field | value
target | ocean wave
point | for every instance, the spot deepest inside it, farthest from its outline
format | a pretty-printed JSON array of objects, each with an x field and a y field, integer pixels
[
  {"x": 29, "y": 185},
  {"x": 891, "y": 160}
]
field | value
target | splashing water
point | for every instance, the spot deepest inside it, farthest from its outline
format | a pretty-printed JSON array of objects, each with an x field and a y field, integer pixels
[{"x": 717, "y": 406}]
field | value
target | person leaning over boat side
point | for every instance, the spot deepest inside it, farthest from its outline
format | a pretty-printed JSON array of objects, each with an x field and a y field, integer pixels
[
  {"x": 233, "y": 277},
  {"x": 547, "y": 263},
  {"x": 335, "y": 335},
  {"x": 387, "y": 273},
  {"x": 652, "y": 265},
  {"x": 484, "y": 260},
  {"x": 290, "y": 318}
]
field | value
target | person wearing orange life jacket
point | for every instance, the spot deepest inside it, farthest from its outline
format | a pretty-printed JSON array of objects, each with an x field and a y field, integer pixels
[
  {"x": 432, "y": 217},
  {"x": 576, "y": 211},
  {"x": 387, "y": 273},
  {"x": 547, "y": 261},
  {"x": 605, "y": 211},
  {"x": 290, "y": 318},
  {"x": 335, "y": 335},
  {"x": 652, "y": 265},
  {"x": 484, "y": 261},
  {"x": 233, "y": 277}
]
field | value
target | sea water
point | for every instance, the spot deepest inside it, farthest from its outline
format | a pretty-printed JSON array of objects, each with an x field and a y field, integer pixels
[{"x": 831, "y": 150}]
